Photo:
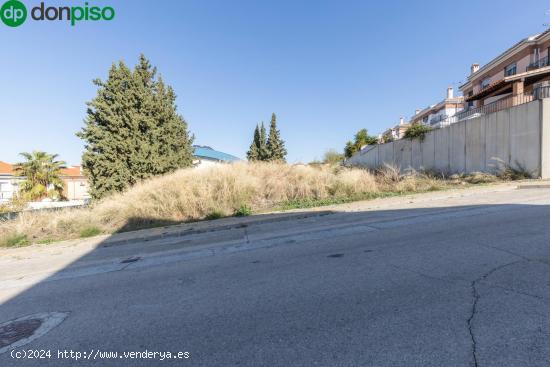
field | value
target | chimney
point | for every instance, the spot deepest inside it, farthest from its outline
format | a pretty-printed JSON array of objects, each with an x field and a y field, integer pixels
[
  {"x": 474, "y": 68},
  {"x": 450, "y": 93},
  {"x": 417, "y": 111},
  {"x": 401, "y": 121}
]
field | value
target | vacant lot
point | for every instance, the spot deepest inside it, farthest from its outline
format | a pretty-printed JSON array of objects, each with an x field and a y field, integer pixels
[{"x": 240, "y": 189}]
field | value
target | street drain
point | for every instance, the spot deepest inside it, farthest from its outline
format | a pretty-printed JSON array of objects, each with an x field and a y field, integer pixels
[
  {"x": 17, "y": 330},
  {"x": 336, "y": 255},
  {"x": 21, "y": 331}
]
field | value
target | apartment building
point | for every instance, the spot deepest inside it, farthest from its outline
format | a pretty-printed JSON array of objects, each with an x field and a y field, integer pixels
[
  {"x": 434, "y": 115},
  {"x": 516, "y": 74}
]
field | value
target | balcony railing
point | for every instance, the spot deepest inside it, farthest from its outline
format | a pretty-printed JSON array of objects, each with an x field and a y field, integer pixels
[
  {"x": 540, "y": 63},
  {"x": 501, "y": 104},
  {"x": 438, "y": 119}
]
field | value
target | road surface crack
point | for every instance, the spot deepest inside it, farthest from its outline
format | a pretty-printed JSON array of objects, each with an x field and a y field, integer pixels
[{"x": 476, "y": 297}]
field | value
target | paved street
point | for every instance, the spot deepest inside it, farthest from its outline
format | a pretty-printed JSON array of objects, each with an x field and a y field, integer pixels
[{"x": 427, "y": 281}]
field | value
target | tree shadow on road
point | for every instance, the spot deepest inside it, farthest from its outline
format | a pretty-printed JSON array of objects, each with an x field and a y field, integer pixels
[{"x": 86, "y": 288}]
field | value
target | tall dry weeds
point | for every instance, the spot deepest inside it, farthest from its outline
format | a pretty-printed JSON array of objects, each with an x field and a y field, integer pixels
[{"x": 193, "y": 194}]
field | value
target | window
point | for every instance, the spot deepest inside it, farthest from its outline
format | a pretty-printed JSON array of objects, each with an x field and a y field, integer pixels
[
  {"x": 485, "y": 82},
  {"x": 510, "y": 69},
  {"x": 470, "y": 103}
]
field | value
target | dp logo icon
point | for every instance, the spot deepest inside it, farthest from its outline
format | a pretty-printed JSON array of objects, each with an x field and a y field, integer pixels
[{"x": 13, "y": 13}]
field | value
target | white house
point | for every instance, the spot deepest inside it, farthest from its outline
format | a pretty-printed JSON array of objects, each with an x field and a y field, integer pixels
[{"x": 8, "y": 182}]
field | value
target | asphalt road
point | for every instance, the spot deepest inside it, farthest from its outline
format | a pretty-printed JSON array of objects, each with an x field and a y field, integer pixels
[{"x": 461, "y": 285}]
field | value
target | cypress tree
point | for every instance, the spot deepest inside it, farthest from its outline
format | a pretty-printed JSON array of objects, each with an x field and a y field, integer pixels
[
  {"x": 264, "y": 153},
  {"x": 253, "y": 153},
  {"x": 132, "y": 130},
  {"x": 275, "y": 145}
]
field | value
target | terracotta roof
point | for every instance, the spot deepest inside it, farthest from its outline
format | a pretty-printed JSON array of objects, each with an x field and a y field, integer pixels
[
  {"x": 71, "y": 171},
  {"x": 487, "y": 90},
  {"x": 6, "y": 168},
  {"x": 74, "y": 171}
]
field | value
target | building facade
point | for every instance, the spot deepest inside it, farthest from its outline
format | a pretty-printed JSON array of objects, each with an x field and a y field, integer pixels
[
  {"x": 394, "y": 133},
  {"x": 8, "y": 182},
  {"x": 75, "y": 183},
  {"x": 515, "y": 74},
  {"x": 435, "y": 115}
]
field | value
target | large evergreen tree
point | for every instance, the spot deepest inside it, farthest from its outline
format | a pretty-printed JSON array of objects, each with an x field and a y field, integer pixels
[
  {"x": 264, "y": 153},
  {"x": 275, "y": 145},
  {"x": 132, "y": 130},
  {"x": 253, "y": 153}
]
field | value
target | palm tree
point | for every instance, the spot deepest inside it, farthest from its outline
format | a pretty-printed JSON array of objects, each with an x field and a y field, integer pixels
[{"x": 41, "y": 171}]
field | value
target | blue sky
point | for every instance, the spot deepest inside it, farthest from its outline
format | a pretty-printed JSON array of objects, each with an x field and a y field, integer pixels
[{"x": 327, "y": 68}]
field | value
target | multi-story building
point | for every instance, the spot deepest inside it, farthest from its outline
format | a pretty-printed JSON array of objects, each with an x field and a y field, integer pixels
[
  {"x": 514, "y": 74},
  {"x": 432, "y": 116},
  {"x": 518, "y": 75},
  {"x": 435, "y": 114}
]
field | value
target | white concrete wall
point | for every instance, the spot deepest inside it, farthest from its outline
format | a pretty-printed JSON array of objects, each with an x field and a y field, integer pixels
[
  {"x": 545, "y": 138},
  {"x": 517, "y": 137}
]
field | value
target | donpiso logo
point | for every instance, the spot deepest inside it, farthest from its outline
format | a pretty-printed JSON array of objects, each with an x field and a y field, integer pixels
[{"x": 14, "y": 13}]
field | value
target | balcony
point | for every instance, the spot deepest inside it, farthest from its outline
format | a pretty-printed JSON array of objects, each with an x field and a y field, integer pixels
[
  {"x": 540, "y": 63},
  {"x": 501, "y": 104},
  {"x": 436, "y": 120}
]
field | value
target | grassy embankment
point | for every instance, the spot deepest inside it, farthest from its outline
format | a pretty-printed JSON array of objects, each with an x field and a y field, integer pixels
[{"x": 240, "y": 189}]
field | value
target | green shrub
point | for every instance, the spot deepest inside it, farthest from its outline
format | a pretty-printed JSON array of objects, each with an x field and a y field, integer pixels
[
  {"x": 17, "y": 240},
  {"x": 417, "y": 131},
  {"x": 89, "y": 232},
  {"x": 243, "y": 211}
]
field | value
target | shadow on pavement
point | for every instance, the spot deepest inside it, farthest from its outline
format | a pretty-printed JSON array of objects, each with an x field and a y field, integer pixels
[{"x": 207, "y": 304}]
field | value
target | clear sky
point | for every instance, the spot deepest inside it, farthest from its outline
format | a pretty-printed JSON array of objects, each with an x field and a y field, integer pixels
[{"x": 327, "y": 68}]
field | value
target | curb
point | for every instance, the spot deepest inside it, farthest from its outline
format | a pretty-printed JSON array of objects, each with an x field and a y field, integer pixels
[
  {"x": 540, "y": 186},
  {"x": 172, "y": 232}
]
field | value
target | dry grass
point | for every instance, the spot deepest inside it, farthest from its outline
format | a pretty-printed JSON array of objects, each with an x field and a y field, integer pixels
[{"x": 195, "y": 194}]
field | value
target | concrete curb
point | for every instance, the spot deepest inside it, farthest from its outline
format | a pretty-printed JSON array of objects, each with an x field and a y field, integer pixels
[
  {"x": 540, "y": 186},
  {"x": 188, "y": 229}
]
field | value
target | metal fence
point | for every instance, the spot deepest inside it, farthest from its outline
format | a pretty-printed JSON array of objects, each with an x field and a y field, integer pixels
[
  {"x": 501, "y": 104},
  {"x": 540, "y": 63}
]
